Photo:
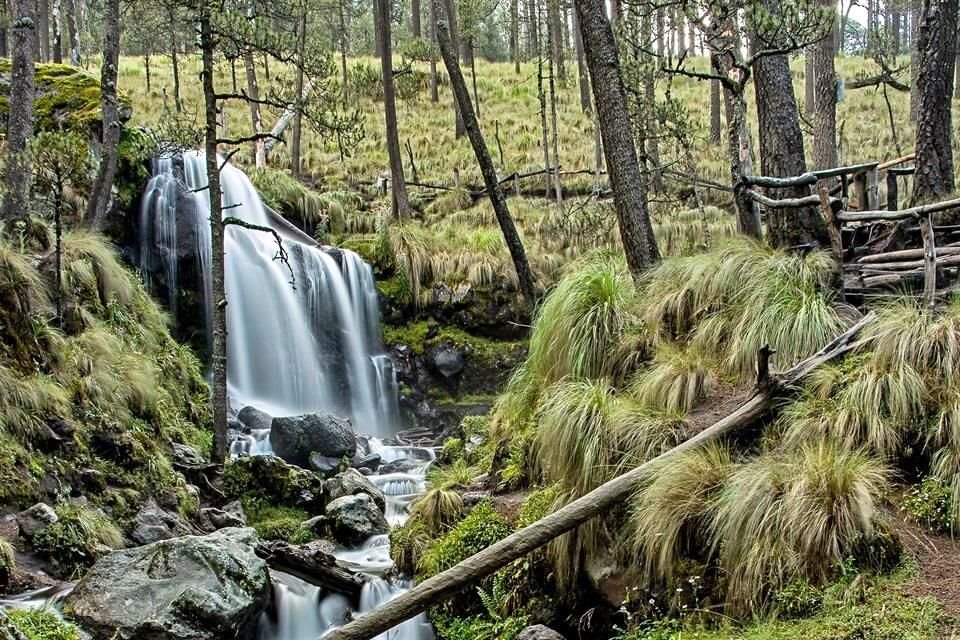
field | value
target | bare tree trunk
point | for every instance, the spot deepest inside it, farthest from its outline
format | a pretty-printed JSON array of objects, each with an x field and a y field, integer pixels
[
  {"x": 218, "y": 357},
  {"x": 661, "y": 31},
  {"x": 434, "y": 85},
  {"x": 691, "y": 39},
  {"x": 555, "y": 141},
  {"x": 16, "y": 201},
  {"x": 610, "y": 101},
  {"x": 809, "y": 81},
  {"x": 937, "y": 44},
  {"x": 57, "y": 32},
  {"x": 398, "y": 185},
  {"x": 490, "y": 178},
  {"x": 555, "y": 37},
  {"x": 515, "y": 34},
  {"x": 102, "y": 190},
  {"x": 473, "y": 75},
  {"x": 5, "y": 23},
  {"x": 651, "y": 126},
  {"x": 542, "y": 96},
  {"x": 175, "y": 60},
  {"x": 74, "y": 29},
  {"x": 451, "y": 11},
  {"x": 715, "y": 125},
  {"x": 533, "y": 29},
  {"x": 256, "y": 118},
  {"x": 825, "y": 100},
  {"x": 415, "y": 28},
  {"x": 782, "y": 153},
  {"x": 344, "y": 45},
  {"x": 915, "y": 55},
  {"x": 43, "y": 29},
  {"x": 296, "y": 134},
  {"x": 680, "y": 32},
  {"x": 583, "y": 75}
]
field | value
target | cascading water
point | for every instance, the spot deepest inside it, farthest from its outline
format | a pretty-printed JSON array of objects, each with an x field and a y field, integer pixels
[{"x": 293, "y": 347}]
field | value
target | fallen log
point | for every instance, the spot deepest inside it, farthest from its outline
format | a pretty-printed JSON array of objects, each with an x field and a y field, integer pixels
[
  {"x": 907, "y": 254},
  {"x": 311, "y": 564},
  {"x": 446, "y": 584}
]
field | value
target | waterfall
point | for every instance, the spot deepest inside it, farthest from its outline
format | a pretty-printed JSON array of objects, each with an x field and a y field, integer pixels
[{"x": 297, "y": 343}]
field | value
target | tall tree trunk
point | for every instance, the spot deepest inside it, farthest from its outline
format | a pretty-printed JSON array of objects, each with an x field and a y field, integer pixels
[
  {"x": 937, "y": 44},
  {"x": 432, "y": 28},
  {"x": 870, "y": 27},
  {"x": 102, "y": 189},
  {"x": 533, "y": 29},
  {"x": 415, "y": 28},
  {"x": 825, "y": 100},
  {"x": 895, "y": 36},
  {"x": 296, "y": 135},
  {"x": 915, "y": 56},
  {"x": 616, "y": 12},
  {"x": 43, "y": 29},
  {"x": 809, "y": 81},
  {"x": 651, "y": 126},
  {"x": 175, "y": 60},
  {"x": 401, "y": 202},
  {"x": 344, "y": 46},
  {"x": 451, "y": 10},
  {"x": 691, "y": 39},
  {"x": 515, "y": 34},
  {"x": 716, "y": 126},
  {"x": 555, "y": 38},
  {"x": 16, "y": 203},
  {"x": 661, "y": 32},
  {"x": 218, "y": 358},
  {"x": 5, "y": 23},
  {"x": 781, "y": 152},
  {"x": 555, "y": 141},
  {"x": 583, "y": 76},
  {"x": 542, "y": 97},
  {"x": 610, "y": 101},
  {"x": 74, "y": 30},
  {"x": 473, "y": 75},
  {"x": 679, "y": 32},
  {"x": 57, "y": 32},
  {"x": 256, "y": 118},
  {"x": 490, "y": 178}
]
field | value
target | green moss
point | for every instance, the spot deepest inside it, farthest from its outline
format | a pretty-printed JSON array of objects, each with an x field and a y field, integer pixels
[
  {"x": 273, "y": 522},
  {"x": 407, "y": 544},
  {"x": 453, "y": 450},
  {"x": 415, "y": 335},
  {"x": 133, "y": 163},
  {"x": 77, "y": 538},
  {"x": 42, "y": 624},
  {"x": 480, "y": 529},
  {"x": 270, "y": 480}
]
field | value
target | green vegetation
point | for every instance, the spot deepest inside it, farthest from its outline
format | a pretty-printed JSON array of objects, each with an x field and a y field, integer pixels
[
  {"x": 929, "y": 504},
  {"x": 8, "y": 561},
  {"x": 78, "y": 537},
  {"x": 481, "y": 528},
  {"x": 43, "y": 624},
  {"x": 273, "y": 522}
]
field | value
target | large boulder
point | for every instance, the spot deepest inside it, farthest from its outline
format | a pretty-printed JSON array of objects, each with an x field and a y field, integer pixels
[
  {"x": 274, "y": 481},
  {"x": 153, "y": 524},
  {"x": 353, "y": 519},
  {"x": 254, "y": 419},
  {"x": 294, "y": 438},
  {"x": 539, "y": 632},
  {"x": 190, "y": 588},
  {"x": 447, "y": 361},
  {"x": 351, "y": 483}
]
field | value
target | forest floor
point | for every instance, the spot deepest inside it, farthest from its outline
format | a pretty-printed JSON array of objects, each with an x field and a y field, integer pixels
[{"x": 938, "y": 574}]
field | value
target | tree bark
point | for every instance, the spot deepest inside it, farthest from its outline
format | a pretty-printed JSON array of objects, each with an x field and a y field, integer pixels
[
  {"x": 781, "y": 151},
  {"x": 607, "y": 497},
  {"x": 533, "y": 30},
  {"x": 296, "y": 135},
  {"x": 175, "y": 60},
  {"x": 256, "y": 118},
  {"x": 809, "y": 81},
  {"x": 492, "y": 182},
  {"x": 415, "y": 28},
  {"x": 218, "y": 357},
  {"x": 102, "y": 189},
  {"x": 515, "y": 34},
  {"x": 74, "y": 32},
  {"x": 556, "y": 38},
  {"x": 450, "y": 8},
  {"x": 57, "y": 32},
  {"x": 716, "y": 126},
  {"x": 432, "y": 28},
  {"x": 937, "y": 44},
  {"x": 610, "y": 101},
  {"x": 583, "y": 76},
  {"x": 16, "y": 203},
  {"x": 651, "y": 125},
  {"x": 43, "y": 29},
  {"x": 312, "y": 566},
  {"x": 679, "y": 32},
  {"x": 398, "y": 185},
  {"x": 915, "y": 56},
  {"x": 825, "y": 100}
]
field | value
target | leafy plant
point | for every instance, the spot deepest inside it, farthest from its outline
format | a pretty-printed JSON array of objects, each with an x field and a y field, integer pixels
[
  {"x": 77, "y": 538},
  {"x": 43, "y": 624},
  {"x": 930, "y": 504}
]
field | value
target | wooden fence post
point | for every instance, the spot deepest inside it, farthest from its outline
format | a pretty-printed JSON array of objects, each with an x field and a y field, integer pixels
[
  {"x": 892, "y": 195},
  {"x": 929, "y": 260},
  {"x": 860, "y": 190},
  {"x": 873, "y": 189},
  {"x": 833, "y": 230}
]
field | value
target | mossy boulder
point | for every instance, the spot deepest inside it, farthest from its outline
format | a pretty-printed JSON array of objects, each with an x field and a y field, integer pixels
[
  {"x": 189, "y": 588},
  {"x": 295, "y": 438},
  {"x": 272, "y": 480},
  {"x": 67, "y": 98}
]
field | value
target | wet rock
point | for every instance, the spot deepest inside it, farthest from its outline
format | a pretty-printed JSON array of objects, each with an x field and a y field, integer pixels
[
  {"x": 34, "y": 520},
  {"x": 295, "y": 438},
  {"x": 273, "y": 480},
  {"x": 447, "y": 361},
  {"x": 473, "y": 498},
  {"x": 212, "y": 519},
  {"x": 607, "y": 577},
  {"x": 187, "y": 456},
  {"x": 350, "y": 483},
  {"x": 326, "y": 467},
  {"x": 353, "y": 519},
  {"x": 404, "y": 465},
  {"x": 253, "y": 418},
  {"x": 190, "y": 588},
  {"x": 370, "y": 462},
  {"x": 153, "y": 524},
  {"x": 539, "y": 632}
]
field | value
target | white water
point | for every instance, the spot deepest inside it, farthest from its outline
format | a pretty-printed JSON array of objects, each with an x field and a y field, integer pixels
[{"x": 292, "y": 348}]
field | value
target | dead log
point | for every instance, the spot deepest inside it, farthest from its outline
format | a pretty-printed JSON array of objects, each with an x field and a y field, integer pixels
[
  {"x": 276, "y": 134},
  {"x": 311, "y": 564},
  {"x": 907, "y": 254},
  {"x": 950, "y": 260},
  {"x": 913, "y": 212},
  {"x": 446, "y": 584}
]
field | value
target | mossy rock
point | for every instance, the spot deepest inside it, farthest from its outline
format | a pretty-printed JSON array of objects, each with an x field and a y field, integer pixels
[
  {"x": 67, "y": 98},
  {"x": 272, "y": 480}
]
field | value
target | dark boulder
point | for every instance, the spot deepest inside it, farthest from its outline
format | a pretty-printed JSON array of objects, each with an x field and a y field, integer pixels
[
  {"x": 190, "y": 588},
  {"x": 275, "y": 481},
  {"x": 539, "y": 632},
  {"x": 350, "y": 483},
  {"x": 253, "y": 418},
  {"x": 447, "y": 361},
  {"x": 294, "y": 438},
  {"x": 325, "y": 466},
  {"x": 34, "y": 520},
  {"x": 371, "y": 462},
  {"x": 153, "y": 524},
  {"x": 353, "y": 519}
]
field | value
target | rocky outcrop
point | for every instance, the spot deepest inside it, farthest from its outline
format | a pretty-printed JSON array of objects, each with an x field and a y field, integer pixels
[
  {"x": 275, "y": 481},
  {"x": 353, "y": 519},
  {"x": 351, "y": 483},
  {"x": 295, "y": 438},
  {"x": 153, "y": 524},
  {"x": 190, "y": 588}
]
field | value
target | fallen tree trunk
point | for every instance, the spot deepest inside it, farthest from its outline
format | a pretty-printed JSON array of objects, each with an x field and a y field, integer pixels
[
  {"x": 446, "y": 584},
  {"x": 276, "y": 134},
  {"x": 311, "y": 565}
]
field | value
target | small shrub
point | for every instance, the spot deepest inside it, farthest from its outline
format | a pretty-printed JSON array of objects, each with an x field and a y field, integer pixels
[
  {"x": 407, "y": 544},
  {"x": 75, "y": 540},
  {"x": 452, "y": 451},
  {"x": 929, "y": 504},
  {"x": 799, "y": 599},
  {"x": 8, "y": 561},
  {"x": 273, "y": 522},
  {"x": 482, "y": 528},
  {"x": 43, "y": 624},
  {"x": 437, "y": 508}
]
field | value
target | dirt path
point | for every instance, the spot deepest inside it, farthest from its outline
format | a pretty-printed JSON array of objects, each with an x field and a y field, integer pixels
[{"x": 938, "y": 557}]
